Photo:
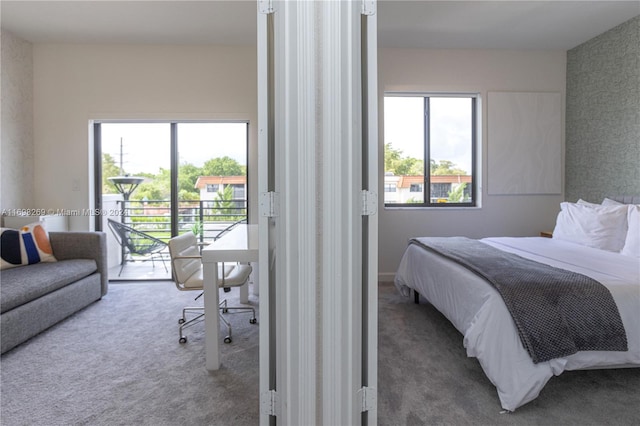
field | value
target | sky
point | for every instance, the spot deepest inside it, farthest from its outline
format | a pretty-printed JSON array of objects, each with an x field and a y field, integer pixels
[
  {"x": 450, "y": 128},
  {"x": 146, "y": 146}
]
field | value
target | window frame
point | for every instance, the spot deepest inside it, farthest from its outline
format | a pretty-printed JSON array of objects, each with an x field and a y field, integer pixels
[
  {"x": 96, "y": 133},
  {"x": 426, "y": 187}
]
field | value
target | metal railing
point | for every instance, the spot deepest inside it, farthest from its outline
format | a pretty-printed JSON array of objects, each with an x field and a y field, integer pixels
[{"x": 206, "y": 218}]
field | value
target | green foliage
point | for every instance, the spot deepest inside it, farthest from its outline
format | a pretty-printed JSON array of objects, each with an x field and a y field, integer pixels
[
  {"x": 197, "y": 228},
  {"x": 410, "y": 166},
  {"x": 399, "y": 165},
  {"x": 224, "y": 203},
  {"x": 184, "y": 195},
  {"x": 391, "y": 157},
  {"x": 445, "y": 167},
  {"x": 161, "y": 220},
  {"x": 154, "y": 187},
  {"x": 109, "y": 169},
  {"x": 457, "y": 194},
  {"x": 158, "y": 186},
  {"x": 187, "y": 176},
  {"x": 223, "y": 166}
]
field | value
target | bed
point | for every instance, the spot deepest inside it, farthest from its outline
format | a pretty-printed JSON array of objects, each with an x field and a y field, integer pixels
[{"x": 479, "y": 312}]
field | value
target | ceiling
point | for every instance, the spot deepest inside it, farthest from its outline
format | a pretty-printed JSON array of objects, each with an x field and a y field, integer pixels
[{"x": 412, "y": 24}]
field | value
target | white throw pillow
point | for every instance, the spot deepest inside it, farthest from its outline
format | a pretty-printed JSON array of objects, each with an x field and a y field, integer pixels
[
  {"x": 610, "y": 202},
  {"x": 602, "y": 227},
  {"x": 632, "y": 242},
  {"x": 586, "y": 203}
]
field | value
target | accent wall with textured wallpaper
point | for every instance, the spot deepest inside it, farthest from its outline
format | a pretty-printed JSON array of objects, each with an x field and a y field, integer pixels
[
  {"x": 17, "y": 149},
  {"x": 603, "y": 115}
]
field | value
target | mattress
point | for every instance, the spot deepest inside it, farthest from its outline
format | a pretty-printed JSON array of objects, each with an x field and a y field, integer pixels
[{"x": 476, "y": 309}]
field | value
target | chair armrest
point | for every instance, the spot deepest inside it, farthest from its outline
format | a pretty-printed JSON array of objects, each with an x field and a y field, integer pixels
[
  {"x": 175, "y": 259},
  {"x": 83, "y": 245}
]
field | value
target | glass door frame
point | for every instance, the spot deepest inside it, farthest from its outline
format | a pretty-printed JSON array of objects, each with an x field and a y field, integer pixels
[{"x": 174, "y": 164}]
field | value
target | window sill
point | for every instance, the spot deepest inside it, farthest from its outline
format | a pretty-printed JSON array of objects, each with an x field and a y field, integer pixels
[{"x": 433, "y": 208}]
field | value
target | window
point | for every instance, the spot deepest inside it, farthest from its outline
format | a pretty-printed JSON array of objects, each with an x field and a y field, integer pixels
[
  {"x": 185, "y": 166},
  {"x": 430, "y": 149},
  {"x": 440, "y": 191},
  {"x": 238, "y": 191},
  {"x": 389, "y": 187}
]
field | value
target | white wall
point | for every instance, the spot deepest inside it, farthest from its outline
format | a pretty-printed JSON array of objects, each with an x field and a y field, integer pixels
[
  {"x": 16, "y": 150},
  {"x": 477, "y": 71},
  {"x": 74, "y": 84}
]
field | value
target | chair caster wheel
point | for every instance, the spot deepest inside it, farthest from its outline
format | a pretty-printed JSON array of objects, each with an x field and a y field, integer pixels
[
  {"x": 227, "y": 339},
  {"x": 181, "y": 321},
  {"x": 253, "y": 321},
  {"x": 224, "y": 311},
  {"x": 183, "y": 340}
]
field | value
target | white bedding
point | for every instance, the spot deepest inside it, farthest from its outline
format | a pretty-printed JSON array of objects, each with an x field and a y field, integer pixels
[{"x": 477, "y": 310}]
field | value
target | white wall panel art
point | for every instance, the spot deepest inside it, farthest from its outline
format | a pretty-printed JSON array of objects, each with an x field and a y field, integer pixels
[{"x": 524, "y": 143}]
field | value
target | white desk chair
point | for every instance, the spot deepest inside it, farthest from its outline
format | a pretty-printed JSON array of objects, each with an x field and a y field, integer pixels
[{"x": 186, "y": 267}]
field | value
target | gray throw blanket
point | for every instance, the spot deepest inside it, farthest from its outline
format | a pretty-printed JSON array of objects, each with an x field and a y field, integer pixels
[{"x": 556, "y": 312}]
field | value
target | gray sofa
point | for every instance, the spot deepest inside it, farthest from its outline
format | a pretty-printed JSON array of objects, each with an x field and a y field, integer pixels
[{"x": 35, "y": 297}]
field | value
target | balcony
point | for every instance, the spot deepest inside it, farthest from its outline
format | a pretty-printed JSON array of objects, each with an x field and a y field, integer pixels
[{"x": 208, "y": 219}]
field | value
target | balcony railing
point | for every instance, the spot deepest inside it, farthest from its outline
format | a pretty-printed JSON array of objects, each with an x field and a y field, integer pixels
[{"x": 206, "y": 218}]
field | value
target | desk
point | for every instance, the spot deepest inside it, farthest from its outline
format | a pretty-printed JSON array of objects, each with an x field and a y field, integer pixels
[{"x": 238, "y": 245}]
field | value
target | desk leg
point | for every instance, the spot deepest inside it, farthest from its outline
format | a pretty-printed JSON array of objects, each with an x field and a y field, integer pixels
[
  {"x": 211, "y": 320},
  {"x": 244, "y": 293}
]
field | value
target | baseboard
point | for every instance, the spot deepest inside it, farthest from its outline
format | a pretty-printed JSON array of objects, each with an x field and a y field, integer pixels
[{"x": 386, "y": 277}]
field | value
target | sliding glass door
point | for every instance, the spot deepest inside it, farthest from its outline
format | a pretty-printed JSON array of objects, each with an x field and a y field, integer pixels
[
  {"x": 212, "y": 177},
  {"x": 167, "y": 178}
]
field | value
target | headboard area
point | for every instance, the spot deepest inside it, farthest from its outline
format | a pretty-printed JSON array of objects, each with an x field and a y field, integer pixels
[{"x": 626, "y": 199}]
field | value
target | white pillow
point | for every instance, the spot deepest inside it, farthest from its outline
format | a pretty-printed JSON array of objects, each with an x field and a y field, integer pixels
[
  {"x": 610, "y": 202},
  {"x": 602, "y": 227},
  {"x": 632, "y": 242},
  {"x": 586, "y": 203}
]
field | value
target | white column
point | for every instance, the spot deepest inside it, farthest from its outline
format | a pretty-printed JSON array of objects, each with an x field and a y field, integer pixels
[
  {"x": 340, "y": 109},
  {"x": 315, "y": 297},
  {"x": 371, "y": 174},
  {"x": 296, "y": 156}
]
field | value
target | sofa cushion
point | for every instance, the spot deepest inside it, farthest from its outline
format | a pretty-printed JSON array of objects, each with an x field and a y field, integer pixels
[{"x": 25, "y": 283}]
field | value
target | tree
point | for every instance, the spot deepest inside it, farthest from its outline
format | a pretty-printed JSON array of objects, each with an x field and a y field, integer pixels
[
  {"x": 457, "y": 194},
  {"x": 223, "y": 166},
  {"x": 391, "y": 157},
  {"x": 224, "y": 203},
  {"x": 399, "y": 165},
  {"x": 409, "y": 166},
  {"x": 445, "y": 167},
  {"x": 155, "y": 187},
  {"x": 187, "y": 176},
  {"x": 109, "y": 169}
]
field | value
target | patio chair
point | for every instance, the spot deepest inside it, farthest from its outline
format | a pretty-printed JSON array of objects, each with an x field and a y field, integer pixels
[
  {"x": 229, "y": 228},
  {"x": 137, "y": 243}
]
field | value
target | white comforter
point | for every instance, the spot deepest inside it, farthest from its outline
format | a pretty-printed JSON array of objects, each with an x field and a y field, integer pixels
[{"x": 477, "y": 310}]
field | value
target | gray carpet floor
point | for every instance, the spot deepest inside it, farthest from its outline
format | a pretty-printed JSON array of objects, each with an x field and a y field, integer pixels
[
  {"x": 425, "y": 377},
  {"x": 118, "y": 362}
]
